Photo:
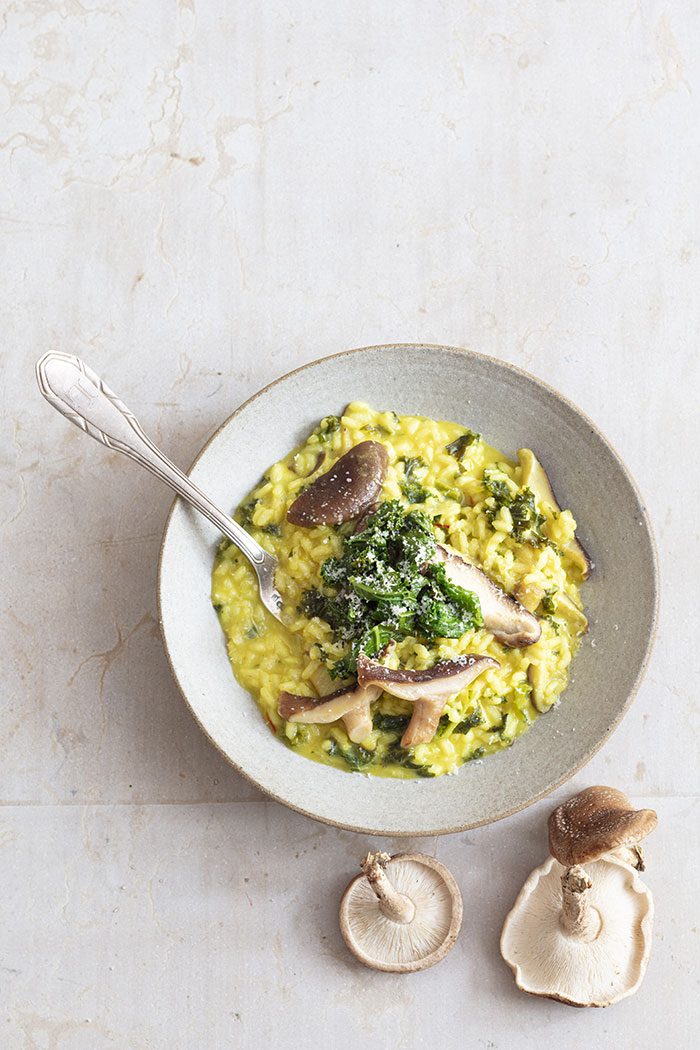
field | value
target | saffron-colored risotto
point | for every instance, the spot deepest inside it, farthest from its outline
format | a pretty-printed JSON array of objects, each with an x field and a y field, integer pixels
[{"x": 449, "y": 462}]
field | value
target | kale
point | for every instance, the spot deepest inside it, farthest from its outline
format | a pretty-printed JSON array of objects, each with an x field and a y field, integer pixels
[
  {"x": 548, "y": 601},
  {"x": 446, "y": 610},
  {"x": 397, "y": 724},
  {"x": 219, "y": 606},
  {"x": 403, "y": 756},
  {"x": 272, "y": 529},
  {"x": 414, "y": 493},
  {"x": 450, "y": 493},
  {"x": 355, "y": 756},
  {"x": 500, "y": 726},
  {"x": 383, "y": 588},
  {"x": 411, "y": 487},
  {"x": 371, "y": 642},
  {"x": 527, "y": 521},
  {"x": 395, "y": 754},
  {"x": 474, "y": 719},
  {"x": 245, "y": 513},
  {"x": 459, "y": 446},
  {"x": 312, "y": 603},
  {"x": 500, "y": 492},
  {"x": 328, "y": 427}
]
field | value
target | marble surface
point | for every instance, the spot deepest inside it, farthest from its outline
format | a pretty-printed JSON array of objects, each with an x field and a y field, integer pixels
[{"x": 196, "y": 198}]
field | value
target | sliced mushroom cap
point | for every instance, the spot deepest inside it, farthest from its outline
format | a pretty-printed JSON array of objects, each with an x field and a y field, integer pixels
[
  {"x": 364, "y": 518},
  {"x": 429, "y": 689},
  {"x": 569, "y": 611},
  {"x": 343, "y": 492},
  {"x": 538, "y": 677},
  {"x": 403, "y": 913},
  {"x": 351, "y": 704},
  {"x": 592, "y": 963},
  {"x": 531, "y": 594},
  {"x": 596, "y": 822},
  {"x": 534, "y": 476},
  {"x": 507, "y": 620},
  {"x": 528, "y": 594}
]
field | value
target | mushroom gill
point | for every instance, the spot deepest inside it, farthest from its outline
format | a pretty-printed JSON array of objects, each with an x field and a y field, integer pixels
[
  {"x": 429, "y": 689},
  {"x": 346, "y": 490},
  {"x": 584, "y": 935},
  {"x": 508, "y": 621},
  {"x": 351, "y": 704},
  {"x": 402, "y": 914}
]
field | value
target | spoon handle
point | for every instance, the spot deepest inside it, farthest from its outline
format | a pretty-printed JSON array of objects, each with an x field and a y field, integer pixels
[{"x": 80, "y": 395}]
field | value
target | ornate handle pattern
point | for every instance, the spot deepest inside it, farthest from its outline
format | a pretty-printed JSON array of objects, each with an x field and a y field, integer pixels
[{"x": 82, "y": 397}]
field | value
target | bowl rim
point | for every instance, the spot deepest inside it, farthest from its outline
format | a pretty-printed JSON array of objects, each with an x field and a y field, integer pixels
[{"x": 610, "y": 729}]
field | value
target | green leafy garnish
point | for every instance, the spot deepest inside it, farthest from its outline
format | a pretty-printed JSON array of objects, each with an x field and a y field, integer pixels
[
  {"x": 459, "y": 446},
  {"x": 476, "y": 718},
  {"x": 397, "y": 724},
  {"x": 353, "y": 755},
  {"x": 384, "y": 587},
  {"x": 403, "y": 756},
  {"x": 329, "y": 426},
  {"x": 527, "y": 521},
  {"x": 245, "y": 513},
  {"x": 413, "y": 468}
]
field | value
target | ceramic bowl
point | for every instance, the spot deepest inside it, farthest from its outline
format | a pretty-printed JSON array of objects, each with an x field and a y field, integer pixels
[{"x": 512, "y": 409}]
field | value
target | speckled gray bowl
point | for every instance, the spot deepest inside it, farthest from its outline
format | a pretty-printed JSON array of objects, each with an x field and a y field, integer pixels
[{"x": 511, "y": 409}]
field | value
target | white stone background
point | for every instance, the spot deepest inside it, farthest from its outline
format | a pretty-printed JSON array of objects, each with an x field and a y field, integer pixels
[{"x": 197, "y": 198}]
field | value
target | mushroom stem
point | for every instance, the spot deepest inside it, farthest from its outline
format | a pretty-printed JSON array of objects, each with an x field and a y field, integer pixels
[
  {"x": 392, "y": 904},
  {"x": 578, "y": 917},
  {"x": 632, "y": 855}
]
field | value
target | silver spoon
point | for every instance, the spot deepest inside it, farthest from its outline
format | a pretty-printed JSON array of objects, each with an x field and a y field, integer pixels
[{"x": 79, "y": 394}]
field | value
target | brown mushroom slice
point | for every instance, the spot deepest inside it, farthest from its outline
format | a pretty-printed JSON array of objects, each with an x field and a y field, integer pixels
[
  {"x": 569, "y": 611},
  {"x": 528, "y": 594},
  {"x": 538, "y": 677},
  {"x": 508, "y": 621},
  {"x": 343, "y": 492},
  {"x": 534, "y": 477},
  {"x": 599, "y": 821},
  {"x": 404, "y": 922},
  {"x": 531, "y": 594},
  {"x": 429, "y": 689},
  {"x": 351, "y": 704},
  {"x": 364, "y": 518}
]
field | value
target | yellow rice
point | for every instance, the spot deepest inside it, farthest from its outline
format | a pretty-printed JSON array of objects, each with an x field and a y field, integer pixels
[{"x": 268, "y": 657}]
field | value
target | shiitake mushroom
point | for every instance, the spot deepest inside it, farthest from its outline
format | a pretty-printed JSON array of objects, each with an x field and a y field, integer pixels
[{"x": 343, "y": 492}]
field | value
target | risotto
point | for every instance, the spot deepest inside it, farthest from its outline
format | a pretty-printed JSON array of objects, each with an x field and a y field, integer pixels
[{"x": 496, "y": 514}]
